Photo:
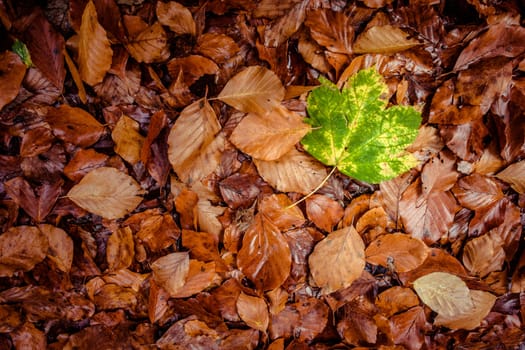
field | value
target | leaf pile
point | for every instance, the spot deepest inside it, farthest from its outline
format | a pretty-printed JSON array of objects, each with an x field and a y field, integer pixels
[{"x": 151, "y": 151}]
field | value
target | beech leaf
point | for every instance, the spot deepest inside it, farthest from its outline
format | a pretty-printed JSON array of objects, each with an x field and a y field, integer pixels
[
  {"x": 338, "y": 260},
  {"x": 107, "y": 192},
  {"x": 255, "y": 89},
  {"x": 352, "y": 130},
  {"x": 13, "y": 71},
  {"x": 253, "y": 311},
  {"x": 383, "y": 39},
  {"x": 514, "y": 174},
  {"x": 483, "y": 303}
]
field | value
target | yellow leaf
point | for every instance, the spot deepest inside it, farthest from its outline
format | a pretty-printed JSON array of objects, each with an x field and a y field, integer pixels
[
  {"x": 194, "y": 148},
  {"x": 94, "y": 51},
  {"x": 337, "y": 260},
  {"x": 256, "y": 89},
  {"x": 107, "y": 192},
  {"x": 128, "y": 140},
  {"x": 269, "y": 136},
  {"x": 444, "y": 293},
  {"x": 253, "y": 311},
  {"x": 150, "y": 45},
  {"x": 483, "y": 303},
  {"x": 385, "y": 39}
]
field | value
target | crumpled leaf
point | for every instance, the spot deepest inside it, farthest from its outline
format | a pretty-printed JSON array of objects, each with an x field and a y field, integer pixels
[
  {"x": 21, "y": 248},
  {"x": 269, "y": 136},
  {"x": 337, "y": 260},
  {"x": 444, "y": 293},
  {"x": 352, "y": 130},
  {"x": 255, "y": 89},
  {"x": 94, "y": 51},
  {"x": 385, "y": 39},
  {"x": 13, "y": 71},
  {"x": 107, "y": 192}
]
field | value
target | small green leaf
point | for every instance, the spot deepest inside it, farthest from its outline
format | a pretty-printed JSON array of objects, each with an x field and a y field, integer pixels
[
  {"x": 21, "y": 50},
  {"x": 354, "y": 131}
]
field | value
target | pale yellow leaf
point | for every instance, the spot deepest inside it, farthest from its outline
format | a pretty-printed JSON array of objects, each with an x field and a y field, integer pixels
[
  {"x": 514, "y": 174},
  {"x": 194, "y": 142},
  {"x": 337, "y": 260},
  {"x": 128, "y": 140},
  {"x": 255, "y": 89},
  {"x": 269, "y": 136},
  {"x": 170, "y": 271},
  {"x": 483, "y": 303},
  {"x": 293, "y": 172},
  {"x": 385, "y": 39},
  {"x": 60, "y": 249},
  {"x": 444, "y": 293},
  {"x": 107, "y": 192},
  {"x": 150, "y": 45},
  {"x": 177, "y": 17},
  {"x": 253, "y": 311},
  {"x": 94, "y": 51}
]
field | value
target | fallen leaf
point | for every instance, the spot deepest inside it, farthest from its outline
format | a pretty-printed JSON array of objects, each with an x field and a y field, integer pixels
[
  {"x": 264, "y": 256},
  {"x": 60, "y": 249},
  {"x": 12, "y": 71},
  {"x": 177, "y": 17},
  {"x": 128, "y": 140},
  {"x": 344, "y": 251},
  {"x": 483, "y": 255},
  {"x": 269, "y": 136},
  {"x": 284, "y": 27},
  {"x": 384, "y": 39},
  {"x": 439, "y": 173},
  {"x": 395, "y": 300},
  {"x": 404, "y": 252},
  {"x": 330, "y": 29},
  {"x": 107, "y": 192},
  {"x": 408, "y": 328},
  {"x": 476, "y": 191},
  {"x": 444, "y": 293},
  {"x": 150, "y": 45},
  {"x": 190, "y": 68},
  {"x": 21, "y": 248},
  {"x": 482, "y": 304},
  {"x": 218, "y": 47},
  {"x": 94, "y": 49},
  {"x": 120, "y": 249},
  {"x": 28, "y": 336},
  {"x": 279, "y": 210},
  {"x": 514, "y": 175},
  {"x": 254, "y": 90},
  {"x": 74, "y": 125},
  {"x": 253, "y": 311},
  {"x": 324, "y": 211},
  {"x": 200, "y": 276},
  {"x": 170, "y": 271}
]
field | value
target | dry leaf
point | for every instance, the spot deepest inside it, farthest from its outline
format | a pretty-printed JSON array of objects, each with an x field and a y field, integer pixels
[
  {"x": 338, "y": 260},
  {"x": 120, "y": 249},
  {"x": 191, "y": 68},
  {"x": 254, "y": 90},
  {"x": 60, "y": 249},
  {"x": 218, "y": 47},
  {"x": 200, "y": 277},
  {"x": 253, "y": 311},
  {"x": 404, "y": 252},
  {"x": 269, "y": 136},
  {"x": 128, "y": 140},
  {"x": 332, "y": 30},
  {"x": 107, "y": 192},
  {"x": 477, "y": 192},
  {"x": 385, "y": 39},
  {"x": 194, "y": 148},
  {"x": 444, "y": 293},
  {"x": 74, "y": 125},
  {"x": 324, "y": 211},
  {"x": 13, "y": 71},
  {"x": 483, "y": 303},
  {"x": 94, "y": 51},
  {"x": 396, "y": 299},
  {"x": 279, "y": 210},
  {"x": 177, "y": 17},
  {"x": 150, "y": 45},
  {"x": 171, "y": 270},
  {"x": 514, "y": 174},
  {"x": 483, "y": 255},
  {"x": 21, "y": 248},
  {"x": 293, "y": 172}
]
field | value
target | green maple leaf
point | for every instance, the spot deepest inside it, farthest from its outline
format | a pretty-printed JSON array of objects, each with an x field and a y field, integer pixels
[{"x": 353, "y": 130}]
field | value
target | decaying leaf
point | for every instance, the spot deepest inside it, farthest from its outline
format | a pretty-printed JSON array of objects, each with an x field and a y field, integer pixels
[
  {"x": 107, "y": 192},
  {"x": 21, "y": 248},
  {"x": 13, "y": 71},
  {"x": 344, "y": 252},
  {"x": 177, "y": 17}
]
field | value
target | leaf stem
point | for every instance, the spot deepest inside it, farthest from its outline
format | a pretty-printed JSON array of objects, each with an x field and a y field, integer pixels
[{"x": 314, "y": 190}]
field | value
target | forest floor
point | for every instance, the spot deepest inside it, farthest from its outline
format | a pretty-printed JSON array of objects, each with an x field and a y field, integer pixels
[{"x": 151, "y": 156}]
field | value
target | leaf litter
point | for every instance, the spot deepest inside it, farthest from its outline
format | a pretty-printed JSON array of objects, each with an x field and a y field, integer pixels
[{"x": 151, "y": 152}]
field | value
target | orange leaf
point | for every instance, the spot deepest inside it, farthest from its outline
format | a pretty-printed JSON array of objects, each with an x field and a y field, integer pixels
[
  {"x": 332, "y": 30},
  {"x": 277, "y": 208},
  {"x": 21, "y": 248},
  {"x": 13, "y": 71},
  {"x": 190, "y": 68},
  {"x": 514, "y": 174},
  {"x": 385, "y": 39},
  {"x": 253, "y": 311},
  {"x": 60, "y": 246},
  {"x": 128, "y": 140},
  {"x": 324, "y": 211},
  {"x": 120, "y": 249},
  {"x": 476, "y": 191},
  {"x": 485, "y": 254},
  {"x": 439, "y": 173},
  {"x": 171, "y": 270},
  {"x": 265, "y": 256},
  {"x": 200, "y": 276},
  {"x": 74, "y": 125},
  {"x": 255, "y": 89},
  {"x": 150, "y": 45},
  {"x": 177, "y": 17},
  {"x": 94, "y": 51},
  {"x": 396, "y": 299},
  {"x": 405, "y": 252},
  {"x": 219, "y": 47},
  {"x": 338, "y": 260},
  {"x": 269, "y": 136}
]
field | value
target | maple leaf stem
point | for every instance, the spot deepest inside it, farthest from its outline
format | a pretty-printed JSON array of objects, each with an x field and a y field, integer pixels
[{"x": 314, "y": 190}]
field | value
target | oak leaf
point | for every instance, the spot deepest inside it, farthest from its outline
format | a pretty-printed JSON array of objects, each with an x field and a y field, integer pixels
[
  {"x": 253, "y": 311},
  {"x": 107, "y": 192},
  {"x": 337, "y": 260},
  {"x": 255, "y": 89},
  {"x": 94, "y": 51},
  {"x": 13, "y": 71}
]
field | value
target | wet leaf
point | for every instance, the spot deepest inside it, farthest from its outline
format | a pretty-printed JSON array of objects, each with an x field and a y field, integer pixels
[
  {"x": 107, "y": 192},
  {"x": 404, "y": 252},
  {"x": 253, "y": 311},
  {"x": 74, "y": 125},
  {"x": 323, "y": 211},
  {"x": 344, "y": 251}
]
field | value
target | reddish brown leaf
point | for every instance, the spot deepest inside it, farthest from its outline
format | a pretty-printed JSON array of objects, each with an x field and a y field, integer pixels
[
  {"x": 239, "y": 190},
  {"x": 156, "y": 231},
  {"x": 277, "y": 208},
  {"x": 201, "y": 245},
  {"x": 36, "y": 141},
  {"x": 28, "y": 337},
  {"x": 483, "y": 255},
  {"x": 395, "y": 300},
  {"x": 253, "y": 311},
  {"x": 465, "y": 140},
  {"x": 514, "y": 174},
  {"x": 323, "y": 211},
  {"x": 404, "y": 252},
  {"x": 192, "y": 68},
  {"x": 157, "y": 302},
  {"x": 476, "y": 191},
  {"x": 265, "y": 256},
  {"x": 218, "y": 47},
  {"x": 200, "y": 276},
  {"x": 150, "y": 45},
  {"x": 357, "y": 324},
  {"x": 74, "y": 125},
  {"x": 120, "y": 249},
  {"x": 13, "y": 71},
  {"x": 408, "y": 328},
  {"x": 21, "y": 248},
  {"x": 82, "y": 162},
  {"x": 278, "y": 32},
  {"x": 177, "y": 17},
  {"x": 332, "y": 30},
  {"x": 439, "y": 173},
  {"x": 60, "y": 249}
]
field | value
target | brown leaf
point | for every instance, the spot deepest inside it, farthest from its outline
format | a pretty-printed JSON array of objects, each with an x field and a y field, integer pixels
[
  {"x": 194, "y": 142},
  {"x": 21, "y": 248},
  {"x": 171, "y": 270},
  {"x": 255, "y": 89},
  {"x": 60, "y": 249},
  {"x": 313, "y": 55},
  {"x": 514, "y": 174},
  {"x": 344, "y": 251},
  {"x": 265, "y": 256},
  {"x": 384, "y": 39},
  {"x": 82, "y": 162},
  {"x": 324, "y": 211},
  {"x": 357, "y": 324},
  {"x": 94, "y": 50},
  {"x": 177, "y": 17},
  {"x": 201, "y": 245},
  {"x": 408, "y": 328},
  {"x": 74, "y": 125},
  {"x": 332, "y": 30},
  {"x": 239, "y": 190},
  {"x": 28, "y": 337},
  {"x": 156, "y": 231},
  {"x": 277, "y": 208},
  {"x": 218, "y": 47},
  {"x": 111, "y": 296},
  {"x": 120, "y": 249},
  {"x": 395, "y": 300},
  {"x": 191, "y": 68},
  {"x": 253, "y": 311},
  {"x": 391, "y": 193},
  {"x": 107, "y": 192},
  {"x": 293, "y": 172},
  {"x": 200, "y": 277},
  {"x": 269, "y": 136},
  {"x": 150, "y": 45},
  {"x": 404, "y": 252},
  {"x": 157, "y": 302},
  {"x": 483, "y": 255},
  {"x": 13, "y": 71},
  {"x": 128, "y": 140},
  {"x": 36, "y": 141},
  {"x": 466, "y": 140},
  {"x": 439, "y": 173},
  {"x": 483, "y": 303},
  {"x": 477, "y": 191}
]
